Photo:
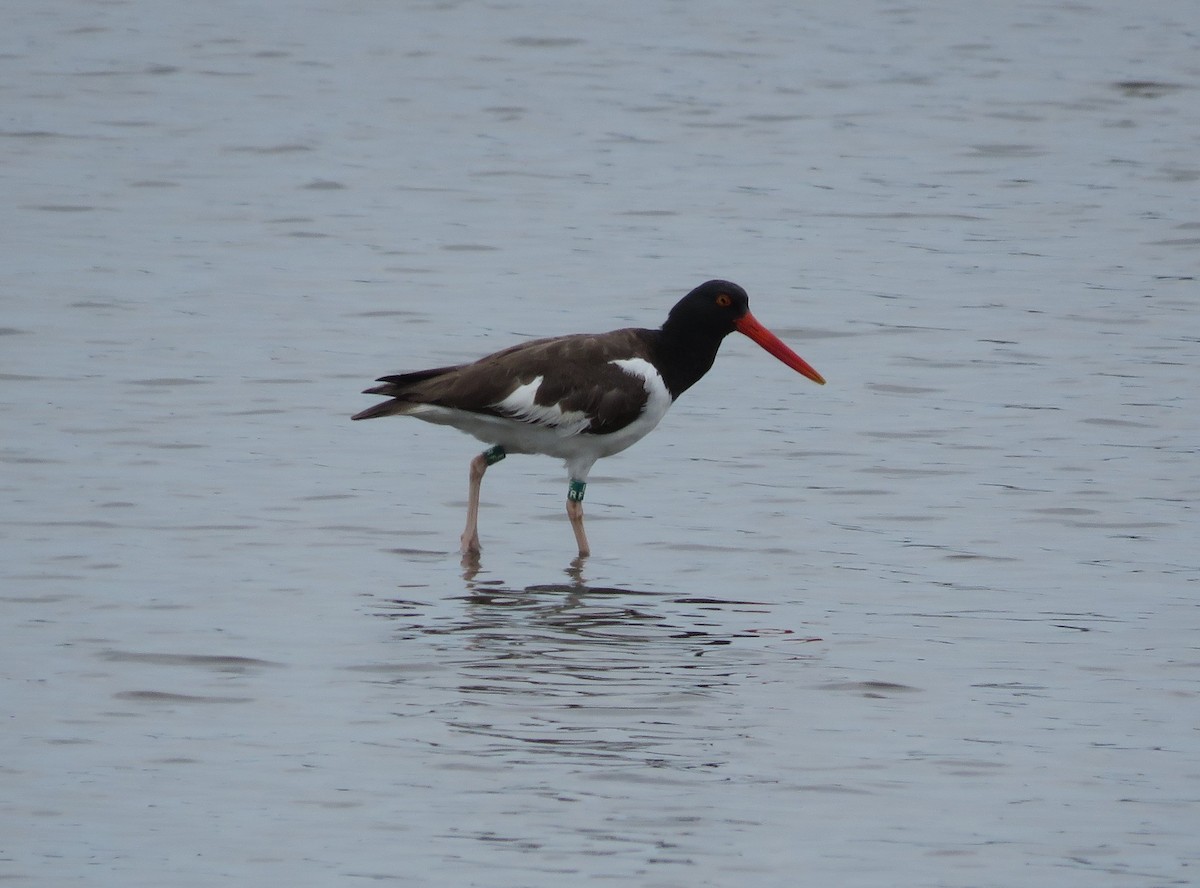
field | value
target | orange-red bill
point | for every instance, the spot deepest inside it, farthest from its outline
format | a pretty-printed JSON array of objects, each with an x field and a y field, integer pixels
[{"x": 748, "y": 325}]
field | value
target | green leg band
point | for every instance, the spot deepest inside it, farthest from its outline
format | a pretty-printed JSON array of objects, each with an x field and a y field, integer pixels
[
  {"x": 575, "y": 491},
  {"x": 493, "y": 455}
]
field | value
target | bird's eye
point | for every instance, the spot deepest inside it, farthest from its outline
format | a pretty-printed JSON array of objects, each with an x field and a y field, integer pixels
[{"x": 724, "y": 300}]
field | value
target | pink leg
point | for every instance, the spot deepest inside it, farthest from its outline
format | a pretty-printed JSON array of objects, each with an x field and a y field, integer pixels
[
  {"x": 470, "y": 536},
  {"x": 575, "y": 513}
]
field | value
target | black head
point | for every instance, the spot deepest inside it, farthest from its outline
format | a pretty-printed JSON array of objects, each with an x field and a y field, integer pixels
[
  {"x": 713, "y": 308},
  {"x": 705, "y": 316}
]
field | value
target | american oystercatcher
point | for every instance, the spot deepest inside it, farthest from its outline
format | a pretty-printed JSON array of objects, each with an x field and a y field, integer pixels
[{"x": 577, "y": 397}]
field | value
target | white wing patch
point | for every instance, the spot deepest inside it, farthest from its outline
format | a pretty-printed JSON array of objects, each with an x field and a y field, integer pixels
[
  {"x": 522, "y": 406},
  {"x": 658, "y": 402},
  {"x": 658, "y": 398}
]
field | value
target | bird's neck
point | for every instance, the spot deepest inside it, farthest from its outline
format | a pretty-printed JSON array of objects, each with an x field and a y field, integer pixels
[{"x": 684, "y": 356}]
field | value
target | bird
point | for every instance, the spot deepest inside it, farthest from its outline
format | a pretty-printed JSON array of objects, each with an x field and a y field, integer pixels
[{"x": 578, "y": 397}]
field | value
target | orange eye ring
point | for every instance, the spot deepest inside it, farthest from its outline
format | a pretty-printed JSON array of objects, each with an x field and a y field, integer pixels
[{"x": 724, "y": 300}]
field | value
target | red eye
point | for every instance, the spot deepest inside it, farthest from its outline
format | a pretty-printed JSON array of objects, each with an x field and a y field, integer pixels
[{"x": 724, "y": 301}]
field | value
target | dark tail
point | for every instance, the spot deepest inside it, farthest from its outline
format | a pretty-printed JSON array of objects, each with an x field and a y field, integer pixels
[
  {"x": 397, "y": 388},
  {"x": 387, "y": 408}
]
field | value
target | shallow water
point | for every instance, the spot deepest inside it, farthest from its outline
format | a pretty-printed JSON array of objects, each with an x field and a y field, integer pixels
[{"x": 932, "y": 624}]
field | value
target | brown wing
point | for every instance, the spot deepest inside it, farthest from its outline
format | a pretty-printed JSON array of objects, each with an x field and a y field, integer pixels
[{"x": 577, "y": 375}]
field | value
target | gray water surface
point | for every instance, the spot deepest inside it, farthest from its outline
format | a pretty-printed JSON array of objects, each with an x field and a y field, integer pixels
[{"x": 932, "y": 624}]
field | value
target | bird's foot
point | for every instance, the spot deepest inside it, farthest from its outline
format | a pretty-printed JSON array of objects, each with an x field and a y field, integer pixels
[{"x": 470, "y": 544}]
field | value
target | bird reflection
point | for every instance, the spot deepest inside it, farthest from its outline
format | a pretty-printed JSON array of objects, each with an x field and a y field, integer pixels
[
  {"x": 565, "y": 620},
  {"x": 579, "y": 671},
  {"x": 575, "y": 569},
  {"x": 472, "y": 566}
]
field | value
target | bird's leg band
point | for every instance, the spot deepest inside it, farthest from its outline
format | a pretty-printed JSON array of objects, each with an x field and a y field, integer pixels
[
  {"x": 575, "y": 490},
  {"x": 494, "y": 454}
]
